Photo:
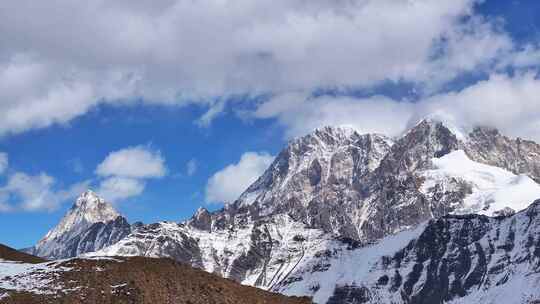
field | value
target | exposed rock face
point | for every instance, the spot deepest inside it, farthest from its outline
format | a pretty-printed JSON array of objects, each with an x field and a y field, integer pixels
[
  {"x": 91, "y": 224},
  {"x": 520, "y": 156},
  {"x": 313, "y": 179}
]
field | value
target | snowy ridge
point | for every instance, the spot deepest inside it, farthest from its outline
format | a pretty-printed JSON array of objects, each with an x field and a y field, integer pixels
[
  {"x": 468, "y": 259},
  {"x": 273, "y": 250}
]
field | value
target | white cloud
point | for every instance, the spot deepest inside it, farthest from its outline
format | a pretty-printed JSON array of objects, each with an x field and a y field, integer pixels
[
  {"x": 25, "y": 192},
  {"x": 508, "y": 103},
  {"x": 182, "y": 51},
  {"x": 301, "y": 114},
  {"x": 4, "y": 162},
  {"x": 114, "y": 189},
  {"x": 35, "y": 193},
  {"x": 133, "y": 162},
  {"x": 227, "y": 184},
  {"x": 124, "y": 172},
  {"x": 191, "y": 167}
]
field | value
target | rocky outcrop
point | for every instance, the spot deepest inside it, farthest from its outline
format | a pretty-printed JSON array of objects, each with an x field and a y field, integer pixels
[{"x": 487, "y": 145}]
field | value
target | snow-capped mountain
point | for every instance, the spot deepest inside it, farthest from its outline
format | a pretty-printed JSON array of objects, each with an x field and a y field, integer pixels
[
  {"x": 330, "y": 196},
  {"x": 90, "y": 224},
  {"x": 365, "y": 187},
  {"x": 336, "y": 189}
]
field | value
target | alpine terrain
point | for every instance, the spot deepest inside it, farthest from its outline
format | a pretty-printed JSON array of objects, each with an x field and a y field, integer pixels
[{"x": 439, "y": 214}]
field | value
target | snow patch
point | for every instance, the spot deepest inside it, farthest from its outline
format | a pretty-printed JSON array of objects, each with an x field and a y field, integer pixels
[{"x": 33, "y": 278}]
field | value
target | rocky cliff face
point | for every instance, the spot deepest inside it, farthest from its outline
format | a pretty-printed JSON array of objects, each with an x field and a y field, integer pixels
[
  {"x": 91, "y": 224},
  {"x": 487, "y": 145}
]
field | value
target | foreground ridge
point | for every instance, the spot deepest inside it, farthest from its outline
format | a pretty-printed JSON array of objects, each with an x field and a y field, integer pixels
[{"x": 124, "y": 280}]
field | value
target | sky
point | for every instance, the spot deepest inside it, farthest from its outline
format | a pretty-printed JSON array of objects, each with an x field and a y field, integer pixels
[{"x": 165, "y": 106}]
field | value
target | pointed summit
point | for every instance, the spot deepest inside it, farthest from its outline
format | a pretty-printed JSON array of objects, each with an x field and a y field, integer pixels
[
  {"x": 90, "y": 212},
  {"x": 92, "y": 208}
]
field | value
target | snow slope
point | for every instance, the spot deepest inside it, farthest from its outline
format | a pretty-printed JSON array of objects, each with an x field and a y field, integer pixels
[
  {"x": 493, "y": 188},
  {"x": 33, "y": 278}
]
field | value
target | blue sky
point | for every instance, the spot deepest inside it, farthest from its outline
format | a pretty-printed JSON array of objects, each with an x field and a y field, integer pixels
[{"x": 76, "y": 97}]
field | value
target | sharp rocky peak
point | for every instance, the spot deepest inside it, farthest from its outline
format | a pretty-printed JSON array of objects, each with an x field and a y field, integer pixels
[
  {"x": 88, "y": 209},
  {"x": 93, "y": 209},
  {"x": 89, "y": 225}
]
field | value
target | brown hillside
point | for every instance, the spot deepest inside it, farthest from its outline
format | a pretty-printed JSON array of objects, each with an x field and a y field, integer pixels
[
  {"x": 144, "y": 280},
  {"x": 10, "y": 254}
]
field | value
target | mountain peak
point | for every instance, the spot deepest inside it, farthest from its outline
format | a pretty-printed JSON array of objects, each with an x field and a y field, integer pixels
[
  {"x": 93, "y": 208},
  {"x": 459, "y": 129},
  {"x": 88, "y": 209},
  {"x": 90, "y": 224}
]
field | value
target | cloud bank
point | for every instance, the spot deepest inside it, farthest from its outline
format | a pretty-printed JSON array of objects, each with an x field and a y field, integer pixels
[
  {"x": 511, "y": 104},
  {"x": 63, "y": 58}
]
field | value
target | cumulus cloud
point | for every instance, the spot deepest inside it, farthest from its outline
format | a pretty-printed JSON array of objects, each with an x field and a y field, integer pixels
[
  {"x": 119, "y": 188},
  {"x": 27, "y": 192},
  {"x": 133, "y": 162},
  {"x": 182, "y": 51},
  {"x": 35, "y": 192},
  {"x": 301, "y": 114},
  {"x": 124, "y": 172},
  {"x": 227, "y": 184},
  {"x": 508, "y": 103}
]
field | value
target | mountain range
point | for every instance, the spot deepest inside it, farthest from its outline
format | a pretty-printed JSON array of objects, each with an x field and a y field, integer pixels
[{"x": 441, "y": 214}]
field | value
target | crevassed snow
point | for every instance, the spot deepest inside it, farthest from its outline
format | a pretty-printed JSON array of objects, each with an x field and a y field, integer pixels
[{"x": 493, "y": 188}]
